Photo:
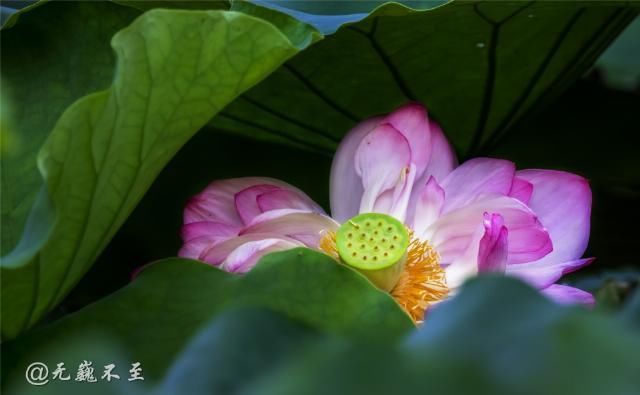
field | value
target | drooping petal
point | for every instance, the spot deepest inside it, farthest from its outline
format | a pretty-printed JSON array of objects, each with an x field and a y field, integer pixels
[
  {"x": 521, "y": 189},
  {"x": 428, "y": 206},
  {"x": 300, "y": 225},
  {"x": 487, "y": 251},
  {"x": 382, "y": 159},
  {"x": 476, "y": 178},
  {"x": 562, "y": 202},
  {"x": 453, "y": 231},
  {"x": 564, "y": 294},
  {"x": 543, "y": 273},
  {"x": 345, "y": 184},
  {"x": 245, "y": 257}
]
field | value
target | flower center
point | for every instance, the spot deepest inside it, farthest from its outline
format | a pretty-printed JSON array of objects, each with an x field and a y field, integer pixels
[
  {"x": 376, "y": 245},
  {"x": 383, "y": 249}
]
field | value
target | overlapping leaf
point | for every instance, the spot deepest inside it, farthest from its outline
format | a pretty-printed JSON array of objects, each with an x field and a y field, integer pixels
[
  {"x": 497, "y": 336},
  {"x": 157, "y": 314},
  {"x": 478, "y": 66},
  {"x": 175, "y": 70}
]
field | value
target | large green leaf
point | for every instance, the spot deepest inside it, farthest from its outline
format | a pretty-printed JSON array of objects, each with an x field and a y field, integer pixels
[
  {"x": 497, "y": 336},
  {"x": 39, "y": 81},
  {"x": 478, "y": 66},
  {"x": 175, "y": 70},
  {"x": 157, "y": 314}
]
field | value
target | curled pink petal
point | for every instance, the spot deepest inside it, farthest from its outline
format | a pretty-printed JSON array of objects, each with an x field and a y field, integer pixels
[
  {"x": 453, "y": 231},
  {"x": 476, "y": 178},
  {"x": 564, "y": 294},
  {"x": 441, "y": 162},
  {"x": 493, "y": 250},
  {"x": 345, "y": 184},
  {"x": 541, "y": 274},
  {"x": 428, "y": 206},
  {"x": 246, "y": 201},
  {"x": 521, "y": 190},
  {"x": 395, "y": 201},
  {"x": 245, "y": 257},
  {"x": 487, "y": 251},
  {"x": 382, "y": 159},
  {"x": 411, "y": 120},
  {"x": 562, "y": 202}
]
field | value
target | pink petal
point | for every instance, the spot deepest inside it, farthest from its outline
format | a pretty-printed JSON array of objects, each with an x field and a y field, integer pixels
[
  {"x": 199, "y": 236},
  {"x": 493, "y": 250},
  {"x": 345, "y": 185},
  {"x": 452, "y": 232},
  {"x": 562, "y": 202},
  {"x": 216, "y": 203},
  {"x": 411, "y": 120},
  {"x": 247, "y": 201},
  {"x": 245, "y": 257},
  {"x": 194, "y": 230},
  {"x": 382, "y": 159},
  {"x": 487, "y": 251},
  {"x": 428, "y": 206},
  {"x": 286, "y": 199},
  {"x": 217, "y": 253},
  {"x": 394, "y": 202},
  {"x": 300, "y": 225},
  {"x": 441, "y": 162},
  {"x": 564, "y": 294},
  {"x": 443, "y": 159},
  {"x": 194, "y": 248},
  {"x": 543, "y": 273},
  {"x": 521, "y": 190},
  {"x": 475, "y": 178}
]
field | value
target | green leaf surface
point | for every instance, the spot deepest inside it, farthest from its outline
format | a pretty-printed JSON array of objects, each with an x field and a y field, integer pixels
[
  {"x": 157, "y": 314},
  {"x": 39, "y": 81},
  {"x": 497, "y": 336},
  {"x": 477, "y": 66},
  {"x": 175, "y": 70}
]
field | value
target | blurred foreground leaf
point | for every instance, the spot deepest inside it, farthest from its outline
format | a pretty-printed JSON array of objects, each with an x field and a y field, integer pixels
[
  {"x": 157, "y": 314},
  {"x": 498, "y": 336}
]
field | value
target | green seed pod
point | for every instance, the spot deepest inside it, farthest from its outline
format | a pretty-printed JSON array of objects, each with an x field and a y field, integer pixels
[{"x": 376, "y": 245}]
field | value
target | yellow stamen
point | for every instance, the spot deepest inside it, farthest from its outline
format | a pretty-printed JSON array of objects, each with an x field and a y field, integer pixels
[{"x": 422, "y": 281}]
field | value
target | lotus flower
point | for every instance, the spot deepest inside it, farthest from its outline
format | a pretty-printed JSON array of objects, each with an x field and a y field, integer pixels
[{"x": 406, "y": 216}]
